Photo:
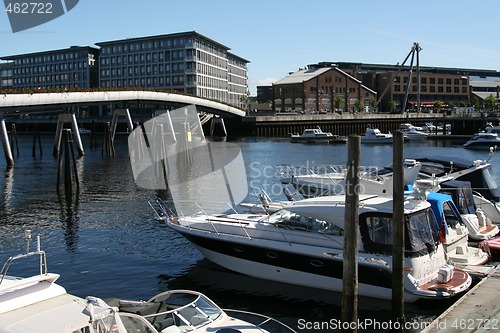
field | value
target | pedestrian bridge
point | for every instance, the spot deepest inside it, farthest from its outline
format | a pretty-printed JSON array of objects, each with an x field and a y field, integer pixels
[{"x": 13, "y": 103}]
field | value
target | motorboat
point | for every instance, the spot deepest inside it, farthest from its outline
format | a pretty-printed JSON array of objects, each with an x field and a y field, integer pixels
[
  {"x": 413, "y": 133},
  {"x": 331, "y": 180},
  {"x": 375, "y": 136},
  {"x": 177, "y": 311},
  {"x": 478, "y": 222},
  {"x": 483, "y": 140},
  {"x": 454, "y": 233},
  {"x": 37, "y": 304},
  {"x": 303, "y": 244},
  {"x": 478, "y": 172},
  {"x": 316, "y": 135}
]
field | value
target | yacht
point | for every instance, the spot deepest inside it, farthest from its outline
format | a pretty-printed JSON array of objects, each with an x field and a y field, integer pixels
[
  {"x": 303, "y": 244},
  {"x": 413, "y": 133},
  {"x": 374, "y": 136},
  {"x": 316, "y": 135},
  {"x": 483, "y": 140}
]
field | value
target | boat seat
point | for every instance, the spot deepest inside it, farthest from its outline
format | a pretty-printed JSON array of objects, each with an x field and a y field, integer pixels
[
  {"x": 171, "y": 329},
  {"x": 163, "y": 324}
]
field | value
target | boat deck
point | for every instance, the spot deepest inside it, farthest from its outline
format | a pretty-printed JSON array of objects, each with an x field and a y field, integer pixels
[{"x": 476, "y": 311}]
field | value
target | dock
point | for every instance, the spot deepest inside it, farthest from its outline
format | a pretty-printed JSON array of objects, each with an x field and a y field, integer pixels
[{"x": 476, "y": 311}]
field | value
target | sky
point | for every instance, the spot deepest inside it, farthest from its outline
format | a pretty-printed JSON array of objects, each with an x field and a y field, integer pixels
[{"x": 281, "y": 36}]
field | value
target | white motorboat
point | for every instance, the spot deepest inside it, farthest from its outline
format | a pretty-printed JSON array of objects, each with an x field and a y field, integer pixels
[
  {"x": 478, "y": 222},
  {"x": 37, "y": 304},
  {"x": 413, "y": 133},
  {"x": 454, "y": 233},
  {"x": 303, "y": 245},
  {"x": 177, "y": 311},
  {"x": 374, "y": 136},
  {"x": 483, "y": 140},
  {"x": 316, "y": 135}
]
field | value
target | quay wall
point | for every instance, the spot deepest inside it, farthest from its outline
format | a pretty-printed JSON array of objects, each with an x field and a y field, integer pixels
[
  {"x": 345, "y": 124},
  {"x": 284, "y": 124}
]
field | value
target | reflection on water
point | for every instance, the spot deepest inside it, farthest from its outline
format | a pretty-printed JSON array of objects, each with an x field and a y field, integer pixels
[{"x": 107, "y": 243}]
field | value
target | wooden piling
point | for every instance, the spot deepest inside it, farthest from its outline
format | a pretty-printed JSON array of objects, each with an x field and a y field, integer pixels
[
  {"x": 350, "y": 262},
  {"x": 65, "y": 170},
  {"x": 14, "y": 142},
  {"x": 36, "y": 136},
  {"x": 6, "y": 145},
  {"x": 398, "y": 241},
  {"x": 108, "y": 145}
]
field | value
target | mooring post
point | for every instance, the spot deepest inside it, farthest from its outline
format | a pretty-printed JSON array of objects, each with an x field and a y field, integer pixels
[
  {"x": 68, "y": 179},
  {"x": 76, "y": 135},
  {"x": 14, "y": 141},
  {"x": 398, "y": 235},
  {"x": 217, "y": 120},
  {"x": 36, "y": 135},
  {"x": 351, "y": 217},
  {"x": 6, "y": 145}
]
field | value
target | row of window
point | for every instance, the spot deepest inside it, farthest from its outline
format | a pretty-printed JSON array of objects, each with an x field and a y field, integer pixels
[
  {"x": 432, "y": 89},
  {"x": 66, "y": 56},
  {"x": 432, "y": 80},
  {"x": 147, "y": 45},
  {"x": 52, "y": 68},
  {"x": 47, "y": 79}
]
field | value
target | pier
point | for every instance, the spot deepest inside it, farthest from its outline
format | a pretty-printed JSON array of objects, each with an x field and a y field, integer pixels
[{"x": 476, "y": 311}]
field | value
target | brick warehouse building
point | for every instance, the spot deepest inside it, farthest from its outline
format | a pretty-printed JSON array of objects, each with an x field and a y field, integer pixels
[
  {"x": 458, "y": 86},
  {"x": 320, "y": 89}
]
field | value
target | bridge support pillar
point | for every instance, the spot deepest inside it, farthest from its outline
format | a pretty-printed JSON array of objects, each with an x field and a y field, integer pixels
[
  {"x": 67, "y": 118},
  {"x": 121, "y": 113},
  {"x": 6, "y": 145},
  {"x": 217, "y": 121},
  {"x": 165, "y": 115}
]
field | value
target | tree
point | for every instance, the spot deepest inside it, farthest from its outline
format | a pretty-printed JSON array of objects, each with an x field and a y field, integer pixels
[
  {"x": 490, "y": 102},
  {"x": 358, "y": 105},
  {"x": 437, "y": 105},
  {"x": 373, "y": 104},
  {"x": 392, "y": 106},
  {"x": 338, "y": 102}
]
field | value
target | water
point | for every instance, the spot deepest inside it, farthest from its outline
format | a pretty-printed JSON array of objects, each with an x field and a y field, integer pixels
[{"x": 108, "y": 244}]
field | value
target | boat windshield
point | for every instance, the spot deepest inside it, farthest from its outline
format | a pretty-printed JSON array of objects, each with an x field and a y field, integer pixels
[
  {"x": 187, "y": 309},
  {"x": 422, "y": 233},
  {"x": 289, "y": 220}
]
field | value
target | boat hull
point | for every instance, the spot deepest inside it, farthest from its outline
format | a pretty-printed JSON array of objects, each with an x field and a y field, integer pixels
[{"x": 308, "y": 266}]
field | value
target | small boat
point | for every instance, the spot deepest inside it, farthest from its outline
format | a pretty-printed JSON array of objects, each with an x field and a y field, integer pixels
[
  {"x": 478, "y": 223},
  {"x": 483, "y": 140},
  {"x": 37, "y": 304},
  {"x": 177, "y": 311},
  {"x": 413, "y": 133},
  {"x": 454, "y": 233},
  {"x": 374, "y": 136},
  {"x": 303, "y": 244},
  {"x": 316, "y": 135}
]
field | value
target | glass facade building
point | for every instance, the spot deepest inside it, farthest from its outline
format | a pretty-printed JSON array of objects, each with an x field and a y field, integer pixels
[
  {"x": 186, "y": 62},
  {"x": 75, "y": 67}
]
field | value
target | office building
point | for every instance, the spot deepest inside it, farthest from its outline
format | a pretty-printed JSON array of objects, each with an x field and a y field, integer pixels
[
  {"x": 74, "y": 67},
  {"x": 186, "y": 62}
]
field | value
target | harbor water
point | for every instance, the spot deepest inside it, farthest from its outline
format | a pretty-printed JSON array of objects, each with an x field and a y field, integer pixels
[{"x": 107, "y": 243}]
